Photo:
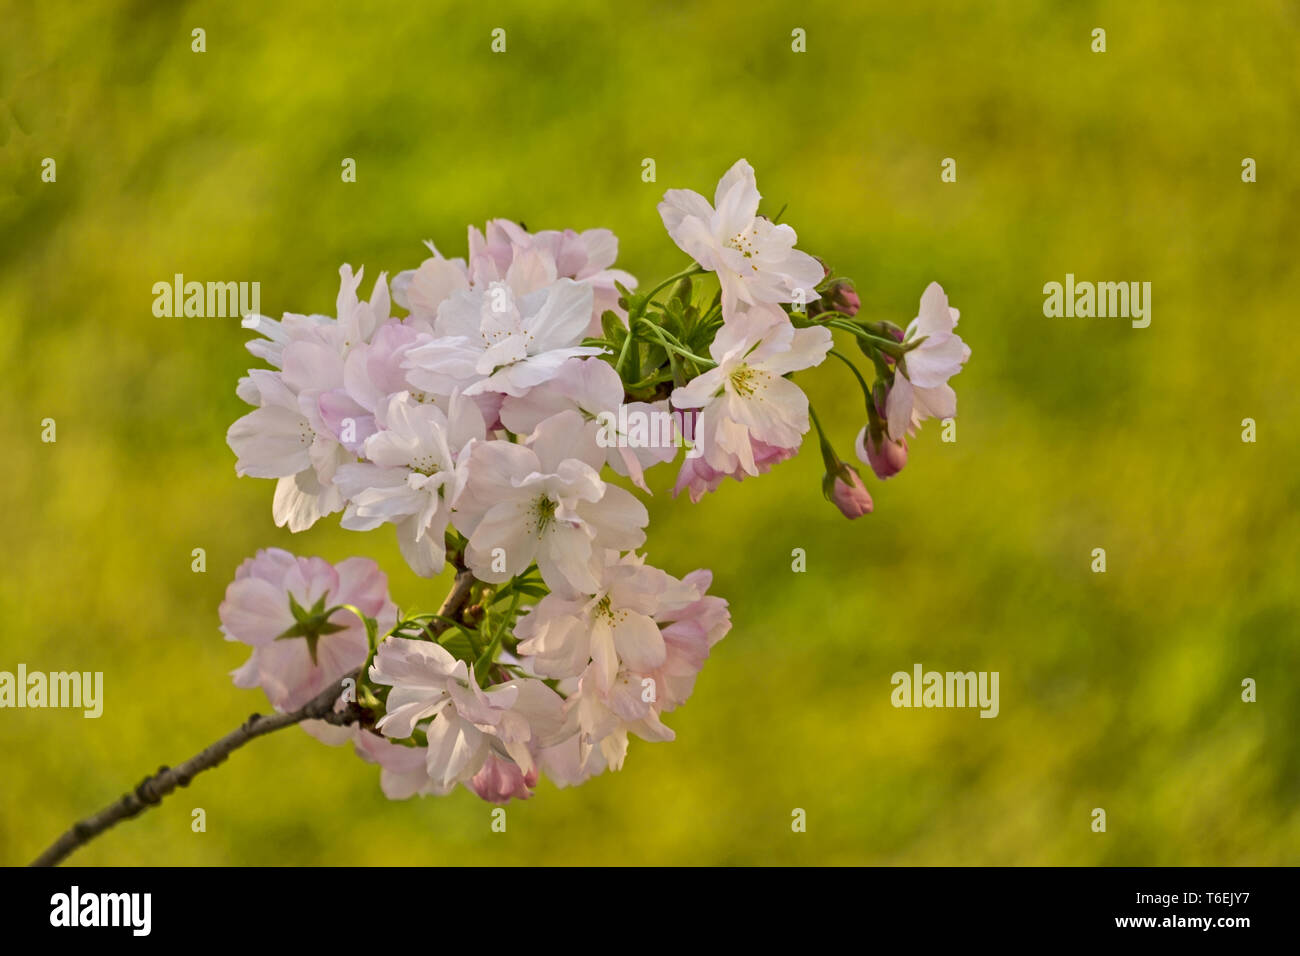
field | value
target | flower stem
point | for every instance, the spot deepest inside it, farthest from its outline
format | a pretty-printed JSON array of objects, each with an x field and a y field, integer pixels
[
  {"x": 893, "y": 349},
  {"x": 665, "y": 337},
  {"x": 695, "y": 269}
]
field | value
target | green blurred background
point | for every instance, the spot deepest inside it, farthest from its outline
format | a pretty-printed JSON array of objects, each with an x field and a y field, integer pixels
[{"x": 1118, "y": 690}]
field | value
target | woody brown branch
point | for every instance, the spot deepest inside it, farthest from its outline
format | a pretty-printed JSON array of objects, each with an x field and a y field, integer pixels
[{"x": 153, "y": 789}]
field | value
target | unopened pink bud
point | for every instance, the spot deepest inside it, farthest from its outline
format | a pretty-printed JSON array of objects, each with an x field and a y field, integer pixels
[
  {"x": 500, "y": 780},
  {"x": 844, "y": 298},
  {"x": 851, "y": 497},
  {"x": 839, "y": 296},
  {"x": 885, "y": 457}
]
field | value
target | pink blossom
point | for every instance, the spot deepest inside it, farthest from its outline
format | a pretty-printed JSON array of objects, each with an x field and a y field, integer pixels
[
  {"x": 292, "y": 436},
  {"x": 592, "y": 388},
  {"x": 412, "y": 474},
  {"x": 608, "y": 711},
  {"x": 403, "y": 767},
  {"x": 746, "y": 397},
  {"x": 922, "y": 391},
  {"x": 545, "y": 502},
  {"x": 689, "y": 631},
  {"x": 755, "y": 260},
  {"x": 465, "y": 721},
  {"x": 612, "y": 627},
  {"x": 583, "y": 256},
  {"x": 423, "y": 290},
  {"x": 298, "y": 653},
  {"x": 497, "y": 338},
  {"x": 697, "y": 476}
]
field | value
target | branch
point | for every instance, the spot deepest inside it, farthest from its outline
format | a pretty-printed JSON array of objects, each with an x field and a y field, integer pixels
[{"x": 153, "y": 789}]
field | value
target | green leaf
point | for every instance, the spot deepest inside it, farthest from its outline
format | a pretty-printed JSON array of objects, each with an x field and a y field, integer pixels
[
  {"x": 682, "y": 291},
  {"x": 613, "y": 327},
  {"x": 458, "y": 645},
  {"x": 532, "y": 590}
]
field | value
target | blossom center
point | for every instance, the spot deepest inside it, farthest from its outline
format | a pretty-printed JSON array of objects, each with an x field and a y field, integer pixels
[
  {"x": 605, "y": 611},
  {"x": 425, "y": 465},
  {"x": 745, "y": 380},
  {"x": 541, "y": 514},
  {"x": 493, "y": 337},
  {"x": 743, "y": 243}
]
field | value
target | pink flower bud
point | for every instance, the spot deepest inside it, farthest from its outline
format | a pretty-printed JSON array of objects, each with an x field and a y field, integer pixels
[
  {"x": 844, "y": 298},
  {"x": 839, "y": 296},
  {"x": 500, "y": 780},
  {"x": 885, "y": 457},
  {"x": 851, "y": 497}
]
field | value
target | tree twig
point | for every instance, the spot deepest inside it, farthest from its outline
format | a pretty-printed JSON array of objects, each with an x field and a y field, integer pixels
[{"x": 153, "y": 789}]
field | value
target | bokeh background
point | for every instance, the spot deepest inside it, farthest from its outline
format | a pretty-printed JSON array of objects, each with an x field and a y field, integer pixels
[{"x": 1118, "y": 690}]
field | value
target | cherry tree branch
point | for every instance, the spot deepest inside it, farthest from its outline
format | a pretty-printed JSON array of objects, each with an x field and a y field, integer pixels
[{"x": 153, "y": 789}]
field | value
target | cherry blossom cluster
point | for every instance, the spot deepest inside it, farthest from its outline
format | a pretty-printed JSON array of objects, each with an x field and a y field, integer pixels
[{"x": 494, "y": 426}]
